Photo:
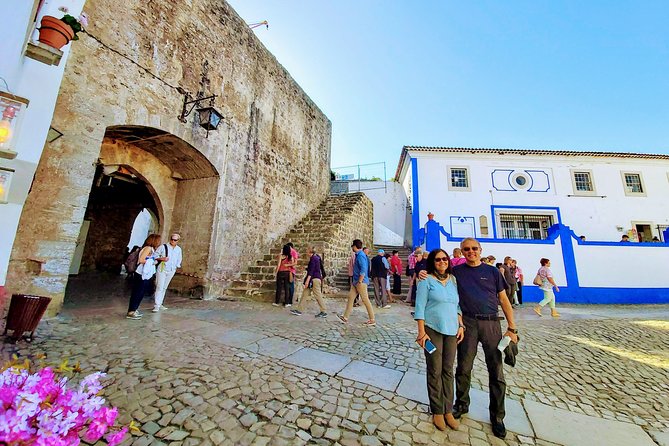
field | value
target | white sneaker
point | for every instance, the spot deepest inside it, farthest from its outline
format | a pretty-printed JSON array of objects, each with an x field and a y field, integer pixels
[
  {"x": 275, "y": 305},
  {"x": 288, "y": 305},
  {"x": 386, "y": 307},
  {"x": 163, "y": 307},
  {"x": 155, "y": 310}
]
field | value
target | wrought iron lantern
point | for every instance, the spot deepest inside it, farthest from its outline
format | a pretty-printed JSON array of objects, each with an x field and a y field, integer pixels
[
  {"x": 208, "y": 117},
  {"x": 12, "y": 109}
]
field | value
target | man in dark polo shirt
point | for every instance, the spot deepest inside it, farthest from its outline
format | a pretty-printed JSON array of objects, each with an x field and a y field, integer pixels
[{"x": 481, "y": 289}]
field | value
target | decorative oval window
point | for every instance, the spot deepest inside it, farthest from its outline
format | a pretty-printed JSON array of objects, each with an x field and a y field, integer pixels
[{"x": 521, "y": 181}]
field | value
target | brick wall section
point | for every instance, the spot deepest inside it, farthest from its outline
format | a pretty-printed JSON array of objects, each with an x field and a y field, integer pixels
[
  {"x": 330, "y": 228},
  {"x": 271, "y": 153}
]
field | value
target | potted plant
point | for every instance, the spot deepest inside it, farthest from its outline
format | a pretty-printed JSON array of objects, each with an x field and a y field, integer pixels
[{"x": 58, "y": 32}]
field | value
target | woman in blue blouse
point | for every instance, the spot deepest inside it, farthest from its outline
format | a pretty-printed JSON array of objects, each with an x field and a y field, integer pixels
[{"x": 439, "y": 320}]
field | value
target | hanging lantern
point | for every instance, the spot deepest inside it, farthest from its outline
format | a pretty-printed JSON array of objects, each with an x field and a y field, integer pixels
[{"x": 12, "y": 109}]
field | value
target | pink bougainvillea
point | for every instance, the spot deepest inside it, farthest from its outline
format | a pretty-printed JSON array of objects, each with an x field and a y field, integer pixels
[{"x": 38, "y": 408}]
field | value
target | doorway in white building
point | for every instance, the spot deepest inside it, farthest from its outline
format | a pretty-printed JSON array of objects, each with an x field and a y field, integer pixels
[{"x": 643, "y": 230}]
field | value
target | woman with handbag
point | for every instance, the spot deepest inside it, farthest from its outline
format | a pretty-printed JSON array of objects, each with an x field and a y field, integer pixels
[
  {"x": 544, "y": 280},
  {"x": 283, "y": 277},
  {"x": 146, "y": 268}
]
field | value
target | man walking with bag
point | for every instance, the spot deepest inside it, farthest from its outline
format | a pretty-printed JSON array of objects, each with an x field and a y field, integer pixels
[{"x": 166, "y": 269}]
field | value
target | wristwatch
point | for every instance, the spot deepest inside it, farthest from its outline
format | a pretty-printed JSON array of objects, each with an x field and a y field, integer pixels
[
  {"x": 462, "y": 326},
  {"x": 512, "y": 330}
]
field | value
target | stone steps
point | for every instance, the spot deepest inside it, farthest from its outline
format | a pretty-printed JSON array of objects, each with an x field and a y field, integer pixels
[{"x": 330, "y": 227}]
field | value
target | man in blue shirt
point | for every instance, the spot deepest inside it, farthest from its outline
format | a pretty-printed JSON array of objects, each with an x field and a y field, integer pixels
[{"x": 359, "y": 285}]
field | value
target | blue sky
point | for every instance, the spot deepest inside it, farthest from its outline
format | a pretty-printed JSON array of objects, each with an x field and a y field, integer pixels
[{"x": 518, "y": 74}]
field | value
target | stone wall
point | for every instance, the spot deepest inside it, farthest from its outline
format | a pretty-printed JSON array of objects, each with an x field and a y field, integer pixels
[
  {"x": 329, "y": 228},
  {"x": 268, "y": 162}
]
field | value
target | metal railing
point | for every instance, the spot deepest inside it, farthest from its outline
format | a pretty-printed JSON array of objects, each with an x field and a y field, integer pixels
[{"x": 358, "y": 178}]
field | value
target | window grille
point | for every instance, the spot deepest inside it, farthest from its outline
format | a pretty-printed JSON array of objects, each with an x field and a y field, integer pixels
[
  {"x": 459, "y": 178},
  {"x": 583, "y": 182},
  {"x": 528, "y": 227},
  {"x": 633, "y": 183}
]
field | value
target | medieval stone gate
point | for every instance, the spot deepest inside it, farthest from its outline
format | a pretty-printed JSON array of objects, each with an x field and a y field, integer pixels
[{"x": 229, "y": 192}]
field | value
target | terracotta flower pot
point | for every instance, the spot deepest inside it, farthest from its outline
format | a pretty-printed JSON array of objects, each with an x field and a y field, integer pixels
[{"x": 54, "y": 32}]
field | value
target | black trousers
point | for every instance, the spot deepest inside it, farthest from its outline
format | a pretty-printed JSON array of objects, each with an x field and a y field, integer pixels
[
  {"x": 397, "y": 284},
  {"x": 283, "y": 284},
  {"x": 488, "y": 333},
  {"x": 519, "y": 293},
  {"x": 139, "y": 288},
  {"x": 440, "y": 371}
]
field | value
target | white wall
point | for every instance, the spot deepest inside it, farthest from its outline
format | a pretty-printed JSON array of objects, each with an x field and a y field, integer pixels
[
  {"x": 595, "y": 264},
  {"x": 390, "y": 204},
  {"x": 39, "y": 83},
  {"x": 595, "y": 217}
]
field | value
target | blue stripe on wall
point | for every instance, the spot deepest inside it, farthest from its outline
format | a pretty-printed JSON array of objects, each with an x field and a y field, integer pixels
[
  {"x": 598, "y": 295},
  {"x": 415, "y": 210}
]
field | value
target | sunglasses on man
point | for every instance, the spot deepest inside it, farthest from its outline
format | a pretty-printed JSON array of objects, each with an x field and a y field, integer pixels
[{"x": 470, "y": 248}]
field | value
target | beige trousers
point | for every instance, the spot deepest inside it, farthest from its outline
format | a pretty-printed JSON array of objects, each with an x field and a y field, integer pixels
[
  {"x": 306, "y": 295},
  {"x": 359, "y": 288}
]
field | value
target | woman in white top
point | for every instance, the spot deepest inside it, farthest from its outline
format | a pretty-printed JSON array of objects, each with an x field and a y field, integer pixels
[
  {"x": 145, "y": 270},
  {"x": 547, "y": 284}
]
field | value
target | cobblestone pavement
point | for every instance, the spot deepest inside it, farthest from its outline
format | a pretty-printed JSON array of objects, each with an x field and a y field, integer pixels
[{"x": 610, "y": 362}]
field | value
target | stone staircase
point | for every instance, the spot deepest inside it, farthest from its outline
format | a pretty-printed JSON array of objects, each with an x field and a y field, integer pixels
[
  {"x": 330, "y": 227},
  {"x": 340, "y": 281}
]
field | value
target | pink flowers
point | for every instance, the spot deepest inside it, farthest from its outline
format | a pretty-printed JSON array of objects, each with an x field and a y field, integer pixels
[{"x": 39, "y": 408}]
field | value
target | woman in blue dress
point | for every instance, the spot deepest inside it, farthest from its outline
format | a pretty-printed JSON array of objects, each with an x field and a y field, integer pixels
[{"x": 440, "y": 321}]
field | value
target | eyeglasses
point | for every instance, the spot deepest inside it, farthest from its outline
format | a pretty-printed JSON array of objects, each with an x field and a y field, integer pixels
[
  {"x": 440, "y": 259},
  {"x": 175, "y": 239},
  {"x": 470, "y": 248}
]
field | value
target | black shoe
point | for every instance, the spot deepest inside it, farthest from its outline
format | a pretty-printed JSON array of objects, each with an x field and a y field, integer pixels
[
  {"x": 498, "y": 429},
  {"x": 458, "y": 412}
]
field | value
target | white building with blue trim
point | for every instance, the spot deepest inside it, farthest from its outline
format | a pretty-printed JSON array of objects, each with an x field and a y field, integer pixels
[{"x": 530, "y": 204}]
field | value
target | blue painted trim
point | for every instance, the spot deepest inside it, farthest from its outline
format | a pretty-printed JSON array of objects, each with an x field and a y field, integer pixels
[
  {"x": 520, "y": 208},
  {"x": 599, "y": 295},
  {"x": 568, "y": 257},
  {"x": 492, "y": 180},
  {"x": 415, "y": 209},
  {"x": 473, "y": 220},
  {"x": 548, "y": 180}
]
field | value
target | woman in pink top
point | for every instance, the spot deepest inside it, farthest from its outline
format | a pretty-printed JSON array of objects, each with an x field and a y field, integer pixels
[
  {"x": 547, "y": 284},
  {"x": 283, "y": 272},
  {"x": 457, "y": 258}
]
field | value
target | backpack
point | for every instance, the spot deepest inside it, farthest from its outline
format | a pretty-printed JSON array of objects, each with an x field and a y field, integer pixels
[
  {"x": 131, "y": 262},
  {"x": 322, "y": 268}
]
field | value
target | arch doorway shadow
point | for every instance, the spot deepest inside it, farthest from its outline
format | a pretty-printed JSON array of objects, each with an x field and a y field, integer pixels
[{"x": 144, "y": 168}]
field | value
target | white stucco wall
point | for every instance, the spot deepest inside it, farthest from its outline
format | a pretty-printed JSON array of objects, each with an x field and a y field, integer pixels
[
  {"x": 390, "y": 208},
  {"x": 594, "y": 262},
  {"x": 39, "y": 83},
  {"x": 595, "y": 217}
]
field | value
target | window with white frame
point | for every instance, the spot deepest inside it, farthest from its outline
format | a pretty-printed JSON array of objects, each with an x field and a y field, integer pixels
[
  {"x": 458, "y": 178},
  {"x": 582, "y": 181},
  {"x": 633, "y": 183}
]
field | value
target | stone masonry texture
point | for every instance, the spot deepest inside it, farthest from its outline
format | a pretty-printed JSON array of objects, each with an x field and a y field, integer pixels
[
  {"x": 329, "y": 228},
  {"x": 231, "y": 193}
]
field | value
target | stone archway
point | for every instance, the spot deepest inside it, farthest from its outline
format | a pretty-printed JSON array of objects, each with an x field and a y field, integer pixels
[
  {"x": 148, "y": 168},
  {"x": 184, "y": 184}
]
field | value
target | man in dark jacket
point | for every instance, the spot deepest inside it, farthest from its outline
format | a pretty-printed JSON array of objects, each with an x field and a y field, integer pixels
[
  {"x": 379, "y": 275},
  {"x": 510, "y": 277}
]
